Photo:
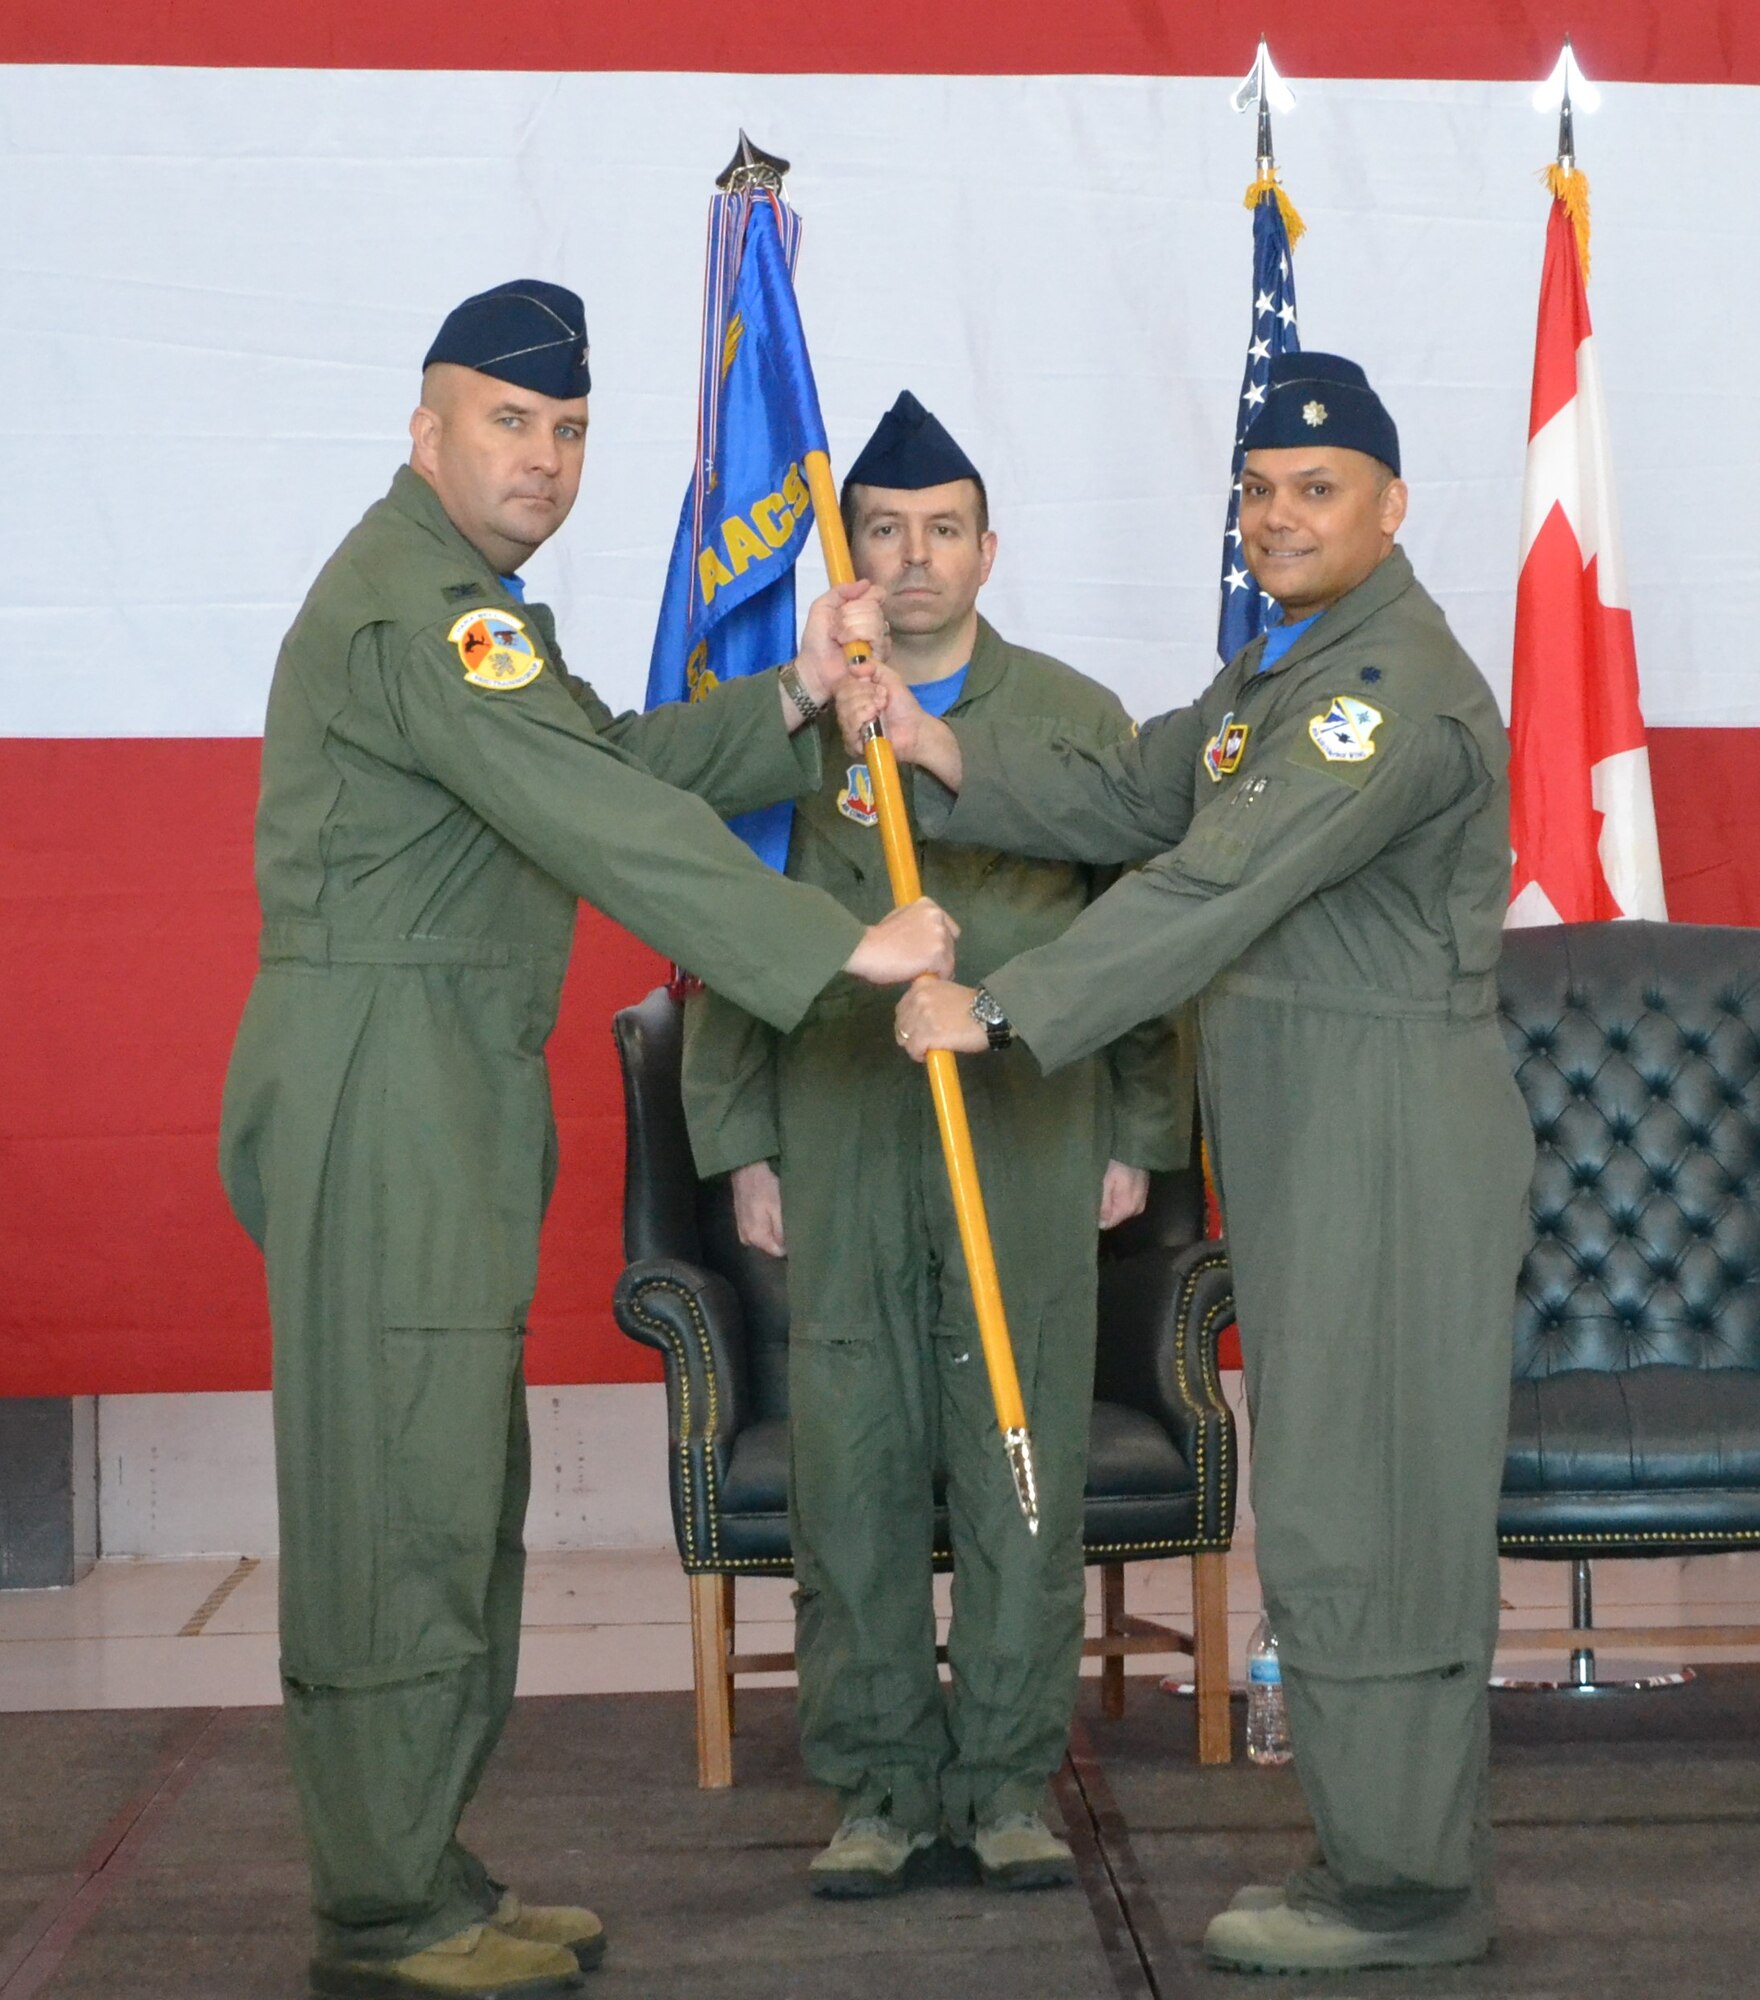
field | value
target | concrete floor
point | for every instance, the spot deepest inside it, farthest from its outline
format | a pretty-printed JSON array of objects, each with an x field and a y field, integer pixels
[{"x": 155, "y": 1853}]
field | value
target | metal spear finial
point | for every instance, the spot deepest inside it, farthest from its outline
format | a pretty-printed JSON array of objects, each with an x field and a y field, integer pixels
[
  {"x": 1568, "y": 91},
  {"x": 751, "y": 168},
  {"x": 1262, "y": 88}
]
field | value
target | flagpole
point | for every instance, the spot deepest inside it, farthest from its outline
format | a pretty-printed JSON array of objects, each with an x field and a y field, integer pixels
[
  {"x": 753, "y": 172},
  {"x": 944, "y": 1085}
]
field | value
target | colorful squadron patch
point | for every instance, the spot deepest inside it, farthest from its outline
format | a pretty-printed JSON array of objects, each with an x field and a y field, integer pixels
[
  {"x": 1342, "y": 735},
  {"x": 495, "y": 650},
  {"x": 856, "y": 800},
  {"x": 1224, "y": 751}
]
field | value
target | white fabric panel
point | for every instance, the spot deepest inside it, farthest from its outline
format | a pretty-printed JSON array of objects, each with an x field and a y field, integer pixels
[{"x": 217, "y": 286}]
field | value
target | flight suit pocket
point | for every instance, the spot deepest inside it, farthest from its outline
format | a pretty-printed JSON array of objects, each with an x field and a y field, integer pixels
[
  {"x": 466, "y": 1161},
  {"x": 1222, "y": 838},
  {"x": 444, "y": 1419}
]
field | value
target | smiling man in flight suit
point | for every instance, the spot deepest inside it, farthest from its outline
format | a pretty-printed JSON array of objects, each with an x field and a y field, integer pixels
[
  {"x": 438, "y": 790},
  {"x": 1326, "y": 846}
]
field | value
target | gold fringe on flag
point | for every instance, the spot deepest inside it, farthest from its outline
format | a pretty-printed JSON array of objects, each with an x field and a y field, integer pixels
[
  {"x": 1267, "y": 183},
  {"x": 1570, "y": 185}
]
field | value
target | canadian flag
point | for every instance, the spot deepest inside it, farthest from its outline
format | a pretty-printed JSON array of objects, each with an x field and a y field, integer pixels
[{"x": 1582, "y": 821}]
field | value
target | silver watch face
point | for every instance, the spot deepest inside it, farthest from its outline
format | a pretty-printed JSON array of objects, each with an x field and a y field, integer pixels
[{"x": 985, "y": 1008}]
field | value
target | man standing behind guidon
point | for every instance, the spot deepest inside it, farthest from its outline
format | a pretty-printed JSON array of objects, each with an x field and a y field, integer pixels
[
  {"x": 1325, "y": 839},
  {"x": 438, "y": 790},
  {"x": 835, "y": 1158}
]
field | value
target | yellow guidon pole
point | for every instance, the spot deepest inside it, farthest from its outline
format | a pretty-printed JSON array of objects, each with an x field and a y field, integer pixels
[{"x": 944, "y": 1086}]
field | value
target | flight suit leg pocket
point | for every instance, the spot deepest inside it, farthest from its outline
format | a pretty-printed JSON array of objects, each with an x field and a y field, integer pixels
[{"x": 444, "y": 1427}]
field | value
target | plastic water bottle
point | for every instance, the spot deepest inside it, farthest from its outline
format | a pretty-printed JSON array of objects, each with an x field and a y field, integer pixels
[{"x": 1267, "y": 1720}]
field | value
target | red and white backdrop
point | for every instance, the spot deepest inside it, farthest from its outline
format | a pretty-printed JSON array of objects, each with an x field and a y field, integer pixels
[{"x": 227, "y": 233}]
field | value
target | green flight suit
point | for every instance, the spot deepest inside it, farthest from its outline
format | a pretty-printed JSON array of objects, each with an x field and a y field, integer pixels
[
  {"x": 886, "y": 1378},
  {"x": 1333, "y": 887},
  {"x": 387, "y": 1139}
]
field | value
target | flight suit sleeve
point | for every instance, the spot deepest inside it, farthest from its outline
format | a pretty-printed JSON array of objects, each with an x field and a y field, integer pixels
[
  {"x": 1290, "y": 826},
  {"x": 1036, "y": 790},
  {"x": 731, "y": 747},
  {"x": 729, "y": 1081},
  {"x": 529, "y": 760},
  {"x": 1154, "y": 1082}
]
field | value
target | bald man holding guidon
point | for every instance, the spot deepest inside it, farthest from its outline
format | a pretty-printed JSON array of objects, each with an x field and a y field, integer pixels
[{"x": 438, "y": 791}]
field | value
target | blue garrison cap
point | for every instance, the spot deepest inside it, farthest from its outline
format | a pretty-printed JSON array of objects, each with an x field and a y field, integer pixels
[
  {"x": 1322, "y": 399},
  {"x": 910, "y": 450},
  {"x": 525, "y": 332}
]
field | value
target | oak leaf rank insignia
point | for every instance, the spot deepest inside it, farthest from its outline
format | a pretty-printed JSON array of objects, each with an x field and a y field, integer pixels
[{"x": 495, "y": 650}]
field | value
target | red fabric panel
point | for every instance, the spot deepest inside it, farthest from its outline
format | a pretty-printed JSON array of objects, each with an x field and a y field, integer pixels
[
  {"x": 130, "y": 925},
  {"x": 1707, "y": 785},
  {"x": 1689, "y": 41}
]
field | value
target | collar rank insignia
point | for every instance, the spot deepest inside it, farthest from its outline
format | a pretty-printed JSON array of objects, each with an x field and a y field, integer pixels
[
  {"x": 1224, "y": 751},
  {"x": 856, "y": 800},
  {"x": 495, "y": 650},
  {"x": 1343, "y": 734}
]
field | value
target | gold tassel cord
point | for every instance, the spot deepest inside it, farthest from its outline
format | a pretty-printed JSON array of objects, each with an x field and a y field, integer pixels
[
  {"x": 1570, "y": 185},
  {"x": 1267, "y": 183}
]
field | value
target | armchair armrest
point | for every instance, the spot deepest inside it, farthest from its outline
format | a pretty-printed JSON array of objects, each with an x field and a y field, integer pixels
[
  {"x": 1162, "y": 1313},
  {"x": 693, "y": 1317}
]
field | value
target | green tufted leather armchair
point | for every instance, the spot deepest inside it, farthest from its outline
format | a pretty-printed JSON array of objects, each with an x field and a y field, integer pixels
[
  {"x": 1635, "y": 1398},
  {"x": 1162, "y": 1456}
]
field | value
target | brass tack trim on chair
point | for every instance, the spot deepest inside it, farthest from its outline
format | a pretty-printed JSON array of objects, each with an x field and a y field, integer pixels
[
  {"x": 1607, "y": 1538},
  {"x": 666, "y": 1333}
]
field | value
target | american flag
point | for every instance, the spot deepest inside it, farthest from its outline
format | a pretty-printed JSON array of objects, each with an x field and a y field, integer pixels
[{"x": 1245, "y": 607}]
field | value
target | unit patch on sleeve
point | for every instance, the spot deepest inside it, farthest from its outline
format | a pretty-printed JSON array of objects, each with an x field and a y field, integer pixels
[
  {"x": 1224, "y": 751},
  {"x": 495, "y": 650},
  {"x": 856, "y": 800},
  {"x": 1344, "y": 734}
]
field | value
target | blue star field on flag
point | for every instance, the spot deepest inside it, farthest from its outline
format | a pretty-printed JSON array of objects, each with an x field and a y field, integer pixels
[{"x": 1245, "y": 608}]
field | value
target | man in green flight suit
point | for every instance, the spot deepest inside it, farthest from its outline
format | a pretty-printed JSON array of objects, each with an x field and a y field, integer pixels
[
  {"x": 437, "y": 791},
  {"x": 831, "y": 1139},
  {"x": 1326, "y": 848}
]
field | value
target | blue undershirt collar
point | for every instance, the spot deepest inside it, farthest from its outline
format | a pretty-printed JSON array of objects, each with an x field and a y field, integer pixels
[
  {"x": 1280, "y": 638},
  {"x": 937, "y": 697}
]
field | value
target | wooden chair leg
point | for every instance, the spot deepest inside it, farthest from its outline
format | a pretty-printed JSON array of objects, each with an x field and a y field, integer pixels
[
  {"x": 727, "y": 1613},
  {"x": 1210, "y": 1655},
  {"x": 1112, "y": 1626},
  {"x": 714, "y": 1684}
]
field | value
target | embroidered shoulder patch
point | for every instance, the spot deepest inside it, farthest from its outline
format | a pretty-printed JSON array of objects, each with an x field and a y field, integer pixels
[
  {"x": 1224, "y": 751},
  {"x": 856, "y": 800},
  {"x": 495, "y": 650},
  {"x": 1344, "y": 734}
]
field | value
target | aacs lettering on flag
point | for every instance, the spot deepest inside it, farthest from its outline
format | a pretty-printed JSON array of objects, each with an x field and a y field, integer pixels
[
  {"x": 729, "y": 606},
  {"x": 1582, "y": 820}
]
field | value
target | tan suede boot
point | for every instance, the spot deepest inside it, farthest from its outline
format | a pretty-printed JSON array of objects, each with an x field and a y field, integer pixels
[
  {"x": 1019, "y": 1851},
  {"x": 868, "y": 1856},
  {"x": 575, "y": 1929},
  {"x": 479, "y": 1963},
  {"x": 1281, "y": 1939}
]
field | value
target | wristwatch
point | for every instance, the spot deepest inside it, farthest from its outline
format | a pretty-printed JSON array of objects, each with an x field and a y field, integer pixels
[
  {"x": 997, "y": 1025},
  {"x": 796, "y": 689}
]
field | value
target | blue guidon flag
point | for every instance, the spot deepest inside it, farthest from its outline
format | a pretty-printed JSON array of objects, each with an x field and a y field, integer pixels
[
  {"x": 729, "y": 604},
  {"x": 1246, "y": 610}
]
